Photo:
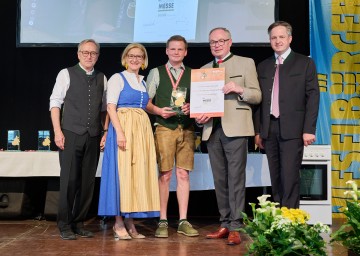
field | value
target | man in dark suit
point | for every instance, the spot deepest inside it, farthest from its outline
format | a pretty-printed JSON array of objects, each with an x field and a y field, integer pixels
[{"x": 285, "y": 122}]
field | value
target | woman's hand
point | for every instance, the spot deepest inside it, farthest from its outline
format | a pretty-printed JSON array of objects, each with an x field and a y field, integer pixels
[{"x": 121, "y": 141}]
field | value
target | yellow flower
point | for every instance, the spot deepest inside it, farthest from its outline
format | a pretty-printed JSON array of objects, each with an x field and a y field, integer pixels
[
  {"x": 286, "y": 226},
  {"x": 295, "y": 215}
]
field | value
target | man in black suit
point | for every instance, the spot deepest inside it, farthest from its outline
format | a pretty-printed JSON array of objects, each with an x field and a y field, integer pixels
[{"x": 285, "y": 122}]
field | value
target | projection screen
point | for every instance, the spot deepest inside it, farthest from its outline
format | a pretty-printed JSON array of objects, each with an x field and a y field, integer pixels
[{"x": 56, "y": 23}]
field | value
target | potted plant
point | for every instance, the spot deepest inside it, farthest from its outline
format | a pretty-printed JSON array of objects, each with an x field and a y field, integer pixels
[
  {"x": 349, "y": 233},
  {"x": 282, "y": 231}
]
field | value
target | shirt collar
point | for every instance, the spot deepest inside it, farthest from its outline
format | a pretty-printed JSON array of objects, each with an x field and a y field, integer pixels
[
  {"x": 130, "y": 74},
  {"x": 284, "y": 55},
  {"x": 87, "y": 72},
  {"x": 227, "y": 55},
  {"x": 168, "y": 64}
]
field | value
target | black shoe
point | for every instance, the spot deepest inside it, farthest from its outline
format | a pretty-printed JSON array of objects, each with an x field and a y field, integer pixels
[
  {"x": 67, "y": 235},
  {"x": 83, "y": 233}
]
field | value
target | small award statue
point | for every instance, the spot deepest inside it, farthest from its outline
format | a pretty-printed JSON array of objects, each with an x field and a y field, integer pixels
[
  {"x": 44, "y": 140},
  {"x": 13, "y": 141},
  {"x": 177, "y": 99}
]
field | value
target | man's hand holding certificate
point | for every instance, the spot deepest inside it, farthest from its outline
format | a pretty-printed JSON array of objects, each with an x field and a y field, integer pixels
[{"x": 207, "y": 96}]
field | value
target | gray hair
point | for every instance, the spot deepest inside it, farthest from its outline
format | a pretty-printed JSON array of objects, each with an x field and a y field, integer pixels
[
  {"x": 223, "y": 29},
  {"x": 89, "y": 41}
]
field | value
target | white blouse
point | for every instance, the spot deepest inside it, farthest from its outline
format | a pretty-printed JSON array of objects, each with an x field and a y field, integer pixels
[{"x": 116, "y": 84}]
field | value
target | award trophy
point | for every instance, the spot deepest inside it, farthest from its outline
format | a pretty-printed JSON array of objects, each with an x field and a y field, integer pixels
[
  {"x": 178, "y": 97},
  {"x": 44, "y": 140},
  {"x": 13, "y": 141}
]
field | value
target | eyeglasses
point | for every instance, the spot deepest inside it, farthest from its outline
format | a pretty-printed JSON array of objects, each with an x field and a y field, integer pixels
[
  {"x": 220, "y": 42},
  {"x": 138, "y": 57},
  {"x": 86, "y": 53}
]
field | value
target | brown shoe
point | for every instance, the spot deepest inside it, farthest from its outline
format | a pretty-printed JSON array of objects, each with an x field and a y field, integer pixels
[
  {"x": 234, "y": 238},
  {"x": 220, "y": 233}
]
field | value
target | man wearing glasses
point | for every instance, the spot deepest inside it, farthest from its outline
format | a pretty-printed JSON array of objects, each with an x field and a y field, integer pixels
[
  {"x": 174, "y": 135},
  {"x": 81, "y": 91},
  {"x": 227, "y": 137}
]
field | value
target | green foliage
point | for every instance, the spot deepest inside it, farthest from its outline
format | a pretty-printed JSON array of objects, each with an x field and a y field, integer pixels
[
  {"x": 349, "y": 233},
  {"x": 284, "y": 231}
]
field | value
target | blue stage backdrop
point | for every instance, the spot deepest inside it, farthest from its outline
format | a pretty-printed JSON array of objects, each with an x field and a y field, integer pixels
[{"x": 335, "y": 47}]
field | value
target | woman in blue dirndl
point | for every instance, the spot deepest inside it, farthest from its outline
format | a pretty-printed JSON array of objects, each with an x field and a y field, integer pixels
[{"x": 129, "y": 180}]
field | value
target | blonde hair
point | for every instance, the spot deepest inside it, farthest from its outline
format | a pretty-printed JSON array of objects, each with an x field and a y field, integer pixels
[{"x": 130, "y": 47}]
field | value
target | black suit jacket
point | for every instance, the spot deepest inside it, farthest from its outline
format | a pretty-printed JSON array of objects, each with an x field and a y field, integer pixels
[{"x": 298, "y": 96}]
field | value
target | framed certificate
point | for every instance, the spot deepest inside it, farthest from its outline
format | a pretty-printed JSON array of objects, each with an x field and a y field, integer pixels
[{"x": 206, "y": 95}]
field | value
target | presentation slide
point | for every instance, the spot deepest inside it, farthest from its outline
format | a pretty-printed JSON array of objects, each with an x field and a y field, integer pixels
[
  {"x": 145, "y": 21},
  {"x": 154, "y": 21}
]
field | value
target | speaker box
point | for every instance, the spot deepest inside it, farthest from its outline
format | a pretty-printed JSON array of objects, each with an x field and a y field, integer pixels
[
  {"x": 14, "y": 198},
  {"x": 52, "y": 198}
]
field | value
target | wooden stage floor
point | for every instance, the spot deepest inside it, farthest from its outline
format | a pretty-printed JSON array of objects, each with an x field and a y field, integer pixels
[{"x": 32, "y": 237}]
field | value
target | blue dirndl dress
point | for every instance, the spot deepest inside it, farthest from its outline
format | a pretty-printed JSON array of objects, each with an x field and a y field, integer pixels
[{"x": 129, "y": 179}]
